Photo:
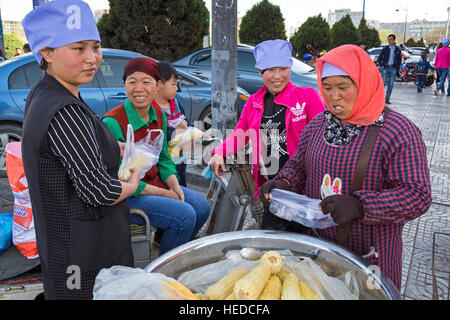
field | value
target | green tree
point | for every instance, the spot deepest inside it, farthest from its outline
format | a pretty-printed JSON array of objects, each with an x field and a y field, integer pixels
[
  {"x": 343, "y": 32},
  {"x": 264, "y": 21},
  {"x": 161, "y": 29},
  {"x": 368, "y": 35},
  {"x": 312, "y": 37},
  {"x": 420, "y": 43},
  {"x": 410, "y": 42},
  {"x": 12, "y": 41}
]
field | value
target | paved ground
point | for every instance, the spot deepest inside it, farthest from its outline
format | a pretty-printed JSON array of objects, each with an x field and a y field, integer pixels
[{"x": 432, "y": 114}]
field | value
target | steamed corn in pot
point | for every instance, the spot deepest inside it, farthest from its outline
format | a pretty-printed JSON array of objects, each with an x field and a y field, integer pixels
[{"x": 272, "y": 265}]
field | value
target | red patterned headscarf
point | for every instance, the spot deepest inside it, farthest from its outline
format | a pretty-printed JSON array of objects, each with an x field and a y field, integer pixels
[
  {"x": 142, "y": 64},
  {"x": 360, "y": 68}
]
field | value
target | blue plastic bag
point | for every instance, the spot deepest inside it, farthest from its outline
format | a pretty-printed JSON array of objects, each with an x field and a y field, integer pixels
[{"x": 6, "y": 223}]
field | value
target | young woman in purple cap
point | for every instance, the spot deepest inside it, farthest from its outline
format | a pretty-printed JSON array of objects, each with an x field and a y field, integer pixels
[
  {"x": 272, "y": 118},
  {"x": 177, "y": 210},
  {"x": 70, "y": 158}
]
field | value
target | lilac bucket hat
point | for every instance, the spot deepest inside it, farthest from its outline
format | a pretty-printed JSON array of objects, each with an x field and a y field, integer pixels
[
  {"x": 273, "y": 53},
  {"x": 58, "y": 23},
  {"x": 329, "y": 70}
]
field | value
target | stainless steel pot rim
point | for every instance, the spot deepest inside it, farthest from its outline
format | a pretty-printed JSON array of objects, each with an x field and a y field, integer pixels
[{"x": 383, "y": 281}]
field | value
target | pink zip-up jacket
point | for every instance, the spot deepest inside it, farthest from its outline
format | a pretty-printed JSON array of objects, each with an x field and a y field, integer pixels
[
  {"x": 442, "y": 59},
  {"x": 303, "y": 104}
]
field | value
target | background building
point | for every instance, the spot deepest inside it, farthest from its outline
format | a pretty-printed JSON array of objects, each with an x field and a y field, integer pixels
[
  {"x": 14, "y": 26},
  {"x": 356, "y": 17},
  {"x": 415, "y": 29},
  {"x": 99, "y": 13}
]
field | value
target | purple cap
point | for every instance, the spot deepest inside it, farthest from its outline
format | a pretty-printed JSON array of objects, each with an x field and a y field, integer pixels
[
  {"x": 445, "y": 42},
  {"x": 58, "y": 23},
  {"x": 273, "y": 53},
  {"x": 329, "y": 70}
]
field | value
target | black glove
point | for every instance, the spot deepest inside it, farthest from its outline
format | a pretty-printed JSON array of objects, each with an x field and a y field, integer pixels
[
  {"x": 268, "y": 186},
  {"x": 342, "y": 208}
]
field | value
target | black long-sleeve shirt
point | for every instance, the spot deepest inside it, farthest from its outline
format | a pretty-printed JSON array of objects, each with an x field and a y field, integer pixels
[{"x": 72, "y": 139}]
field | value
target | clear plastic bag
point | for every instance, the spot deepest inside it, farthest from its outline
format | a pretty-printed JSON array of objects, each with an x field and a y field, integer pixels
[
  {"x": 124, "y": 283},
  {"x": 183, "y": 139},
  {"x": 173, "y": 123},
  {"x": 200, "y": 279},
  {"x": 142, "y": 155},
  {"x": 327, "y": 287},
  {"x": 299, "y": 208},
  {"x": 306, "y": 270}
]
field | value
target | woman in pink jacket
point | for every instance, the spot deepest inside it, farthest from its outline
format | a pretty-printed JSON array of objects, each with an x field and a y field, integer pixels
[
  {"x": 272, "y": 118},
  {"x": 442, "y": 64}
]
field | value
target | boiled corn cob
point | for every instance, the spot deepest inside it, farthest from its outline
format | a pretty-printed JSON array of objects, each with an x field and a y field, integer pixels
[
  {"x": 231, "y": 296},
  {"x": 306, "y": 292},
  {"x": 282, "y": 274},
  {"x": 182, "y": 289},
  {"x": 251, "y": 286},
  {"x": 200, "y": 296},
  {"x": 222, "y": 288},
  {"x": 290, "y": 289},
  {"x": 274, "y": 259},
  {"x": 272, "y": 290}
]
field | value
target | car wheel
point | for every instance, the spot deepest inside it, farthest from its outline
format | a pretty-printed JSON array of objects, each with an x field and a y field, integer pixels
[
  {"x": 8, "y": 133},
  {"x": 206, "y": 118}
]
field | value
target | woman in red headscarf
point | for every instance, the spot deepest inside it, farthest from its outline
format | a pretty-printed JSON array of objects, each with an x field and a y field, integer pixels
[
  {"x": 366, "y": 162},
  {"x": 178, "y": 211}
]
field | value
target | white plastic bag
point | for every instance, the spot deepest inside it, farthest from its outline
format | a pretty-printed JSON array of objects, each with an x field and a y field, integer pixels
[
  {"x": 142, "y": 155},
  {"x": 23, "y": 232},
  {"x": 200, "y": 279},
  {"x": 327, "y": 287},
  {"x": 305, "y": 269},
  {"x": 183, "y": 139},
  {"x": 299, "y": 208},
  {"x": 173, "y": 123},
  {"x": 124, "y": 283}
]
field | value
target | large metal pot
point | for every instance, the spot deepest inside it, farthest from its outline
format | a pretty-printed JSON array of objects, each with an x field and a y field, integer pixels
[{"x": 334, "y": 259}]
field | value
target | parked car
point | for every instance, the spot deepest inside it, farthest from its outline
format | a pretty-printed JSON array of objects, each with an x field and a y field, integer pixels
[
  {"x": 198, "y": 63},
  {"x": 374, "y": 53},
  {"x": 418, "y": 51},
  {"x": 19, "y": 74}
]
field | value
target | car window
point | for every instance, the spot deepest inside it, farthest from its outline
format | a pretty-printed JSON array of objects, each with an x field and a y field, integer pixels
[
  {"x": 186, "y": 82},
  {"x": 300, "y": 66},
  {"x": 246, "y": 62},
  {"x": 374, "y": 51},
  {"x": 202, "y": 59},
  {"x": 112, "y": 70},
  {"x": 25, "y": 77}
]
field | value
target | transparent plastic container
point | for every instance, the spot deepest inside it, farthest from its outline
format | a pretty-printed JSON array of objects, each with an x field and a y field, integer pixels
[{"x": 292, "y": 206}]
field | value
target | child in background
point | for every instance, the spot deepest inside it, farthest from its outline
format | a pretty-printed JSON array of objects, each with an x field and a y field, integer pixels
[
  {"x": 166, "y": 101},
  {"x": 422, "y": 72}
]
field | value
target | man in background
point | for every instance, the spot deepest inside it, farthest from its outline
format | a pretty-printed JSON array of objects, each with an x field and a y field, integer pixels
[{"x": 389, "y": 60}]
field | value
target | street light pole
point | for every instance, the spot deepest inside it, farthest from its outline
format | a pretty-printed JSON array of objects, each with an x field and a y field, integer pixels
[
  {"x": 406, "y": 22},
  {"x": 448, "y": 16},
  {"x": 364, "y": 7}
]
